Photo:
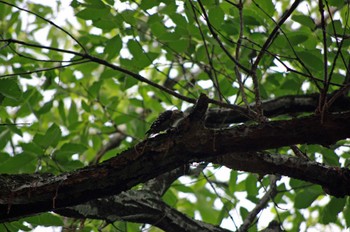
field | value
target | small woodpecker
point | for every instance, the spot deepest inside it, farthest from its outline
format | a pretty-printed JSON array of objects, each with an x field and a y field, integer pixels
[{"x": 165, "y": 120}]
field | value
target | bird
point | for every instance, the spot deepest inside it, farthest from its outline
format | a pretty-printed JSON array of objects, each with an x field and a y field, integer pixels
[{"x": 166, "y": 120}]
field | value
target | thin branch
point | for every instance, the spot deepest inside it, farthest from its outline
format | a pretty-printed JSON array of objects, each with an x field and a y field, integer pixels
[
  {"x": 134, "y": 75},
  {"x": 232, "y": 3},
  {"x": 112, "y": 143},
  {"x": 270, "y": 194},
  {"x": 260, "y": 55},
  {"x": 82, "y": 61},
  {"x": 339, "y": 45},
  {"x": 274, "y": 33},
  {"x": 48, "y": 21},
  {"x": 218, "y": 195},
  {"x": 209, "y": 72},
  {"x": 238, "y": 47},
  {"x": 314, "y": 79},
  {"x": 215, "y": 36},
  {"x": 322, "y": 103},
  {"x": 36, "y": 59},
  {"x": 105, "y": 63},
  {"x": 41, "y": 46},
  {"x": 344, "y": 89}
]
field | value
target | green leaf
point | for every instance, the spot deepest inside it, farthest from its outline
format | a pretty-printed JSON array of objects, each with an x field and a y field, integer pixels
[
  {"x": 290, "y": 85},
  {"x": 304, "y": 20},
  {"x": 123, "y": 118},
  {"x": 226, "y": 87},
  {"x": 62, "y": 111},
  {"x": 73, "y": 148},
  {"x": 5, "y": 137},
  {"x": 296, "y": 38},
  {"x": 298, "y": 184},
  {"x": 72, "y": 165},
  {"x": 49, "y": 75},
  {"x": 129, "y": 16},
  {"x": 336, "y": 3},
  {"x": 113, "y": 47},
  {"x": 15, "y": 128},
  {"x": 230, "y": 27},
  {"x": 93, "y": 91},
  {"x": 85, "y": 106},
  {"x": 110, "y": 2},
  {"x": 73, "y": 115},
  {"x": 141, "y": 59},
  {"x": 158, "y": 29},
  {"x": 44, "y": 219},
  {"x": 75, "y": 3},
  {"x": 330, "y": 157},
  {"x": 233, "y": 181},
  {"x": 93, "y": 13},
  {"x": 251, "y": 186},
  {"x": 312, "y": 59},
  {"x": 146, "y": 4},
  {"x": 14, "y": 226},
  {"x": 216, "y": 16},
  {"x": 291, "y": 39},
  {"x": 183, "y": 188},
  {"x": 207, "y": 212},
  {"x": 105, "y": 24},
  {"x": 51, "y": 137},
  {"x": 243, "y": 212},
  {"x": 9, "y": 88},
  {"x": 127, "y": 82},
  {"x": 305, "y": 198},
  {"x": 32, "y": 148},
  {"x": 332, "y": 209},
  {"x": 95, "y": 4},
  {"x": 22, "y": 163},
  {"x": 251, "y": 18},
  {"x": 45, "y": 108},
  {"x": 179, "y": 46},
  {"x": 336, "y": 26},
  {"x": 3, "y": 157},
  {"x": 179, "y": 20},
  {"x": 346, "y": 213},
  {"x": 201, "y": 54},
  {"x": 135, "y": 48},
  {"x": 268, "y": 6}
]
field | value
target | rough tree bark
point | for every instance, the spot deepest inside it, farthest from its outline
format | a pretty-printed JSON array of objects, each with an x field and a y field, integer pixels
[{"x": 237, "y": 147}]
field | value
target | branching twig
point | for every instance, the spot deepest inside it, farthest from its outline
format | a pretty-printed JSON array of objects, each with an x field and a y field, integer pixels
[
  {"x": 82, "y": 61},
  {"x": 238, "y": 47},
  {"x": 212, "y": 69},
  {"x": 113, "y": 142},
  {"x": 46, "y": 20},
  {"x": 260, "y": 55},
  {"x": 323, "y": 101},
  {"x": 132, "y": 74},
  {"x": 270, "y": 194},
  {"x": 218, "y": 195},
  {"x": 215, "y": 36}
]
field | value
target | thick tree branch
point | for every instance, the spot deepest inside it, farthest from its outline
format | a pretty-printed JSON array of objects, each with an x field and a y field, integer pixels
[
  {"x": 140, "y": 207},
  {"x": 334, "y": 180},
  {"x": 187, "y": 143},
  {"x": 132, "y": 205},
  {"x": 286, "y": 105}
]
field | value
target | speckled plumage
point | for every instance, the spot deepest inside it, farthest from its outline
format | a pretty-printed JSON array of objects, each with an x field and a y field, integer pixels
[{"x": 165, "y": 120}]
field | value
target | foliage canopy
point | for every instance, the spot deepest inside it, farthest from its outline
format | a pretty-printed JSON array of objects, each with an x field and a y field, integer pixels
[{"x": 79, "y": 91}]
